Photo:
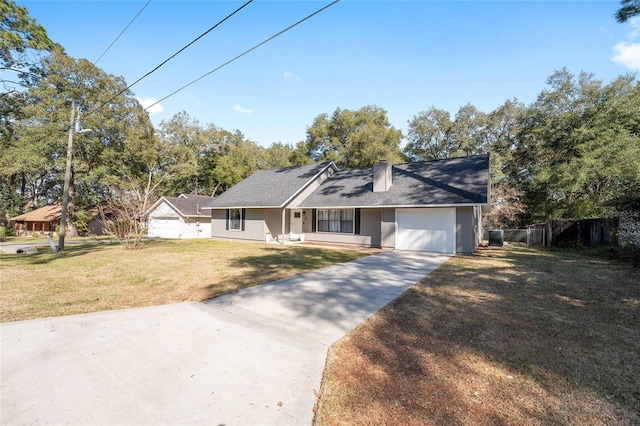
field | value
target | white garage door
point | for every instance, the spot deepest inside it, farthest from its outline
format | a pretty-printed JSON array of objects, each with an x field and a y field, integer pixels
[
  {"x": 432, "y": 229},
  {"x": 167, "y": 227}
]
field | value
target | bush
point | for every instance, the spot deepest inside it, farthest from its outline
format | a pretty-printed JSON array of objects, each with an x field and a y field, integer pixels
[
  {"x": 629, "y": 228},
  {"x": 627, "y": 254}
]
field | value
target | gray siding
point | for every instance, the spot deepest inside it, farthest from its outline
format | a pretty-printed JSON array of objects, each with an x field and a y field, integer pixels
[
  {"x": 328, "y": 237},
  {"x": 465, "y": 230},
  {"x": 369, "y": 230},
  {"x": 273, "y": 222},
  {"x": 307, "y": 220},
  {"x": 254, "y": 225},
  {"x": 370, "y": 225},
  {"x": 477, "y": 224},
  {"x": 388, "y": 228}
]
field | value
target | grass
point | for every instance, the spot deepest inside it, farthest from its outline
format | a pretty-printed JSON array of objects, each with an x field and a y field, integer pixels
[
  {"x": 504, "y": 337},
  {"x": 97, "y": 277}
]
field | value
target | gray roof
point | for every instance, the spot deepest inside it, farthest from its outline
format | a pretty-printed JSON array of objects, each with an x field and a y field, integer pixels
[
  {"x": 452, "y": 181},
  {"x": 269, "y": 188},
  {"x": 186, "y": 205}
]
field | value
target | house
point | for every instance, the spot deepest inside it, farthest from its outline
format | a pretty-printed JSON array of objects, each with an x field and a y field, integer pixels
[
  {"x": 179, "y": 217},
  {"x": 43, "y": 220},
  {"x": 425, "y": 206},
  {"x": 100, "y": 222}
]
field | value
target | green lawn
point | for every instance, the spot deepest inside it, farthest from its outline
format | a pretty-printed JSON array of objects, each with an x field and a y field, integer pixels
[{"x": 97, "y": 277}]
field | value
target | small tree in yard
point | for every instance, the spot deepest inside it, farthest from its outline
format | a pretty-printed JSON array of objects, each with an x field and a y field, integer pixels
[
  {"x": 507, "y": 206},
  {"x": 122, "y": 216}
]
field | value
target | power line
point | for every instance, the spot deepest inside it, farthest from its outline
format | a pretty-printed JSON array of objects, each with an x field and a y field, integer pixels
[
  {"x": 168, "y": 59},
  {"x": 244, "y": 53},
  {"x": 122, "y": 32}
]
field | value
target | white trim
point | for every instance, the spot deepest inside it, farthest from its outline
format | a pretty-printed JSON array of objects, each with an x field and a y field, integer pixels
[
  {"x": 391, "y": 206},
  {"x": 292, "y": 218},
  {"x": 241, "y": 207},
  {"x": 164, "y": 199},
  {"x": 306, "y": 185},
  {"x": 395, "y": 206},
  {"x": 229, "y": 219}
]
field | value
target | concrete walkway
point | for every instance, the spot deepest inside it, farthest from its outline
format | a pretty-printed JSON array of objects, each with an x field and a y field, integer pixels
[{"x": 248, "y": 358}]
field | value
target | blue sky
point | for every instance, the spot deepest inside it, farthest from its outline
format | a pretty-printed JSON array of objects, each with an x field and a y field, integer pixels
[{"x": 402, "y": 56}]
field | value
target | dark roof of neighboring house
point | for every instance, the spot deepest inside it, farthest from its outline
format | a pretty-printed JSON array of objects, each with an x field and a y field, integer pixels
[
  {"x": 185, "y": 205},
  {"x": 452, "y": 181},
  {"x": 270, "y": 188},
  {"x": 43, "y": 214}
]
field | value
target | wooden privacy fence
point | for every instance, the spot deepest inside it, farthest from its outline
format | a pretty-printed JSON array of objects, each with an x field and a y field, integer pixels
[
  {"x": 564, "y": 233},
  {"x": 567, "y": 233}
]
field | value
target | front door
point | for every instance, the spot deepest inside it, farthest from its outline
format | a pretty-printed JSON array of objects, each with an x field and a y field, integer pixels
[{"x": 296, "y": 222}]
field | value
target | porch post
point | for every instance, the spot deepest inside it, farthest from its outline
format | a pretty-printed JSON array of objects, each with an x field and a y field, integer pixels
[{"x": 284, "y": 216}]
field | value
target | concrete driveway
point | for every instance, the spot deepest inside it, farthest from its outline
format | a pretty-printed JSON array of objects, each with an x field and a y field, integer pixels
[{"x": 247, "y": 358}]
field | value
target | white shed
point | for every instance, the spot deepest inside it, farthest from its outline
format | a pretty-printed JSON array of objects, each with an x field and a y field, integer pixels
[{"x": 179, "y": 217}]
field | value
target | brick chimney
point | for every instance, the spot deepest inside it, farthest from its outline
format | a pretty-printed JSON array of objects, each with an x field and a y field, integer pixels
[{"x": 382, "y": 177}]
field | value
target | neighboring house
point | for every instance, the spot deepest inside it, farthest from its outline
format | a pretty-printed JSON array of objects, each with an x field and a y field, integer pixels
[
  {"x": 45, "y": 219},
  {"x": 426, "y": 206},
  {"x": 179, "y": 217},
  {"x": 99, "y": 223}
]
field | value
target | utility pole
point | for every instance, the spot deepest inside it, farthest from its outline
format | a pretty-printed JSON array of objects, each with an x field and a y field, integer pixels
[
  {"x": 67, "y": 174},
  {"x": 67, "y": 179}
]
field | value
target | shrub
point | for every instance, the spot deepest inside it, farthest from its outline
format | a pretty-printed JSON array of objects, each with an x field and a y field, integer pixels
[
  {"x": 629, "y": 228},
  {"x": 627, "y": 254}
]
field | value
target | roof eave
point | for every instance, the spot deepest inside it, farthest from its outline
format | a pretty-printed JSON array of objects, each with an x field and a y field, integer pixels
[
  {"x": 309, "y": 182},
  {"x": 391, "y": 206},
  {"x": 240, "y": 207}
]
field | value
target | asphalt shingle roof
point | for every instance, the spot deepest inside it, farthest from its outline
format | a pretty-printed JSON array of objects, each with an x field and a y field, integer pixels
[
  {"x": 190, "y": 205},
  {"x": 269, "y": 188},
  {"x": 452, "y": 181},
  {"x": 43, "y": 214}
]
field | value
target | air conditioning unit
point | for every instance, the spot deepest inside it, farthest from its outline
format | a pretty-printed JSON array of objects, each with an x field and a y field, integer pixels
[{"x": 496, "y": 238}]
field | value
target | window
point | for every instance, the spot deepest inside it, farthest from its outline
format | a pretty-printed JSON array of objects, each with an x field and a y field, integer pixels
[
  {"x": 335, "y": 220},
  {"x": 235, "y": 219}
]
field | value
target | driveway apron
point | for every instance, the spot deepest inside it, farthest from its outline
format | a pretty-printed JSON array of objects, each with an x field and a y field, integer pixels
[{"x": 254, "y": 357}]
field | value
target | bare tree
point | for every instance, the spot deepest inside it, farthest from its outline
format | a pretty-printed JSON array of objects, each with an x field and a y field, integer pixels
[{"x": 123, "y": 216}]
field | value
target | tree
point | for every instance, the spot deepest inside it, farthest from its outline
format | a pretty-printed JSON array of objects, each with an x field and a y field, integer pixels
[
  {"x": 507, "y": 206},
  {"x": 196, "y": 149},
  {"x": 240, "y": 158},
  {"x": 299, "y": 155},
  {"x": 469, "y": 132},
  {"x": 354, "y": 139},
  {"x": 579, "y": 146},
  {"x": 39, "y": 141},
  {"x": 429, "y": 135},
  {"x": 278, "y": 155},
  {"x": 501, "y": 134},
  {"x": 432, "y": 135},
  {"x": 145, "y": 167},
  {"x": 20, "y": 34},
  {"x": 22, "y": 42},
  {"x": 628, "y": 9}
]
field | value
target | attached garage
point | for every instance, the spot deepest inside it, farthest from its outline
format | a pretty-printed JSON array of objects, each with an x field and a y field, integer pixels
[
  {"x": 426, "y": 229},
  {"x": 165, "y": 227},
  {"x": 179, "y": 217}
]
